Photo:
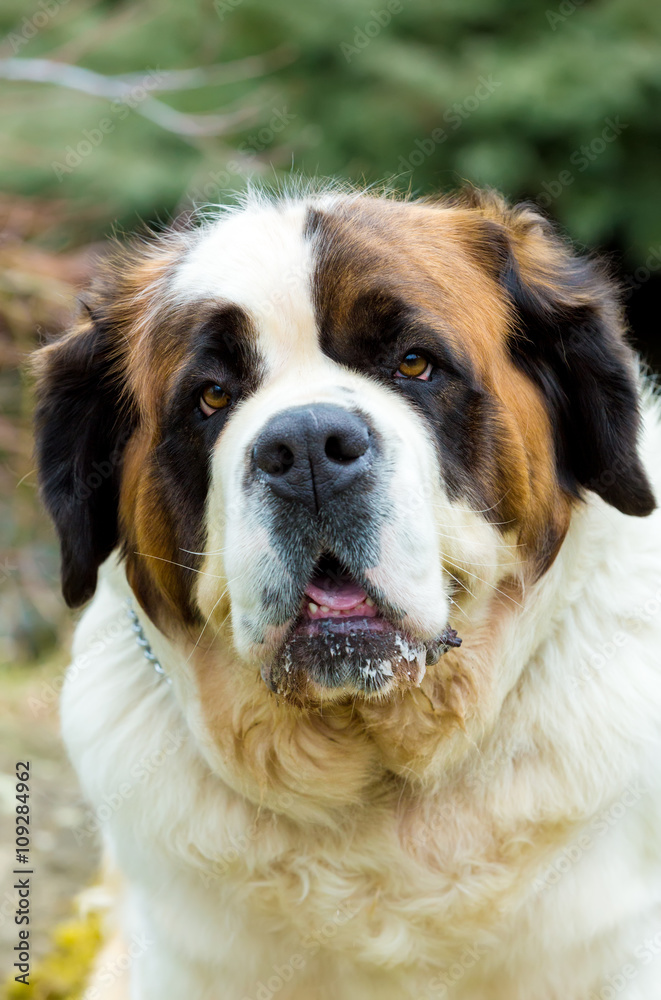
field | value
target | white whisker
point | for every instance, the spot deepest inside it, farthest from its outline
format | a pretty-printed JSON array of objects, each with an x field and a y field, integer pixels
[{"x": 202, "y": 572}]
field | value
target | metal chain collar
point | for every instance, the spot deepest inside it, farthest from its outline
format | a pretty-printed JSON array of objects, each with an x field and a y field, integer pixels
[{"x": 143, "y": 641}]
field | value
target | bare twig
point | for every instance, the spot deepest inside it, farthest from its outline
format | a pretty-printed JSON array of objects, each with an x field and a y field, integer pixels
[
  {"x": 222, "y": 73},
  {"x": 126, "y": 88}
]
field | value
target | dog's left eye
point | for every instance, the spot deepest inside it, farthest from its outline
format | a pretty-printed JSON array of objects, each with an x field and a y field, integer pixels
[
  {"x": 213, "y": 398},
  {"x": 414, "y": 366}
]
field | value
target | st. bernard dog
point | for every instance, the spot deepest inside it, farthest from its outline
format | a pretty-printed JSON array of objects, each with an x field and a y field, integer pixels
[{"x": 367, "y": 700}]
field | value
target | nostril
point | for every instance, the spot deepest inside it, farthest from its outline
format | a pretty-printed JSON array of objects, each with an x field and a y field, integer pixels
[
  {"x": 346, "y": 448},
  {"x": 277, "y": 461},
  {"x": 334, "y": 451}
]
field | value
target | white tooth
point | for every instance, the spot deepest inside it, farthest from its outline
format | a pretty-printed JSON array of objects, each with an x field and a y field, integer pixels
[
  {"x": 324, "y": 610},
  {"x": 369, "y": 602},
  {"x": 313, "y": 608}
]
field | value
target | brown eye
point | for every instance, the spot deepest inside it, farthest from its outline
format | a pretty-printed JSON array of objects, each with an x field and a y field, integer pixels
[
  {"x": 213, "y": 398},
  {"x": 414, "y": 366}
]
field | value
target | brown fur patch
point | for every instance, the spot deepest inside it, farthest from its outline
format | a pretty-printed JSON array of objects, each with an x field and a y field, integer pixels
[{"x": 433, "y": 258}]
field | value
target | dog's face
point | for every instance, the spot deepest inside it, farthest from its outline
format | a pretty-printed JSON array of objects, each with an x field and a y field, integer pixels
[{"x": 322, "y": 428}]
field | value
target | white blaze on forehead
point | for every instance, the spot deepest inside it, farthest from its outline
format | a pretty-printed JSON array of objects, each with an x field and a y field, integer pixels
[{"x": 260, "y": 260}]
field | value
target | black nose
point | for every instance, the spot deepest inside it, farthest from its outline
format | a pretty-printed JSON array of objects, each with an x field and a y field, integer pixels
[{"x": 311, "y": 453}]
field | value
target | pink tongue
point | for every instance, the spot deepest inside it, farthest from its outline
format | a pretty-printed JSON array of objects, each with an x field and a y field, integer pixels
[{"x": 340, "y": 596}]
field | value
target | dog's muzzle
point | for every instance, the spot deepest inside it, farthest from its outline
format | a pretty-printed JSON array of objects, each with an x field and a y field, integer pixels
[{"x": 321, "y": 477}]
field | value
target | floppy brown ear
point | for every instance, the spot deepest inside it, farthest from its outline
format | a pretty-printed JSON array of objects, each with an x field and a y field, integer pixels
[
  {"x": 568, "y": 336},
  {"x": 81, "y": 429}
]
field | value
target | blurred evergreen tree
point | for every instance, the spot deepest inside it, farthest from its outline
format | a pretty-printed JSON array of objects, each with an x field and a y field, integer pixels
[{"x": 560, "y": 104}]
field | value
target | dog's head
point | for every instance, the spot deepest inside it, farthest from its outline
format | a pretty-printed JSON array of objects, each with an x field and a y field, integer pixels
[{"x": 319, "y": 427}]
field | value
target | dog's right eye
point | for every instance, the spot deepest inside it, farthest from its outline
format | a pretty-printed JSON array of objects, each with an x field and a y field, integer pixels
[
  {"x": 414, "y": 365},
  {"x": 213, "y": 398}
]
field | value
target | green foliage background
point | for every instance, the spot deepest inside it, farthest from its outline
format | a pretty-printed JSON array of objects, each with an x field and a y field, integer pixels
[
  {"x": 561, "y": 70},
  {"x": 419, "y": 94}
]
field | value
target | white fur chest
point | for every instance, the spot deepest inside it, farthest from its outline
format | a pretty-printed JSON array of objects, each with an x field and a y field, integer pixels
[{"x": 461, "y": 889}]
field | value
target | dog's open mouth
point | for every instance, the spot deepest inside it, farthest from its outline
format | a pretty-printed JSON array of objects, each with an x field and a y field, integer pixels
[
  {"x": 343, "y": 639},
  {"x": 334, "y": 600}
]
